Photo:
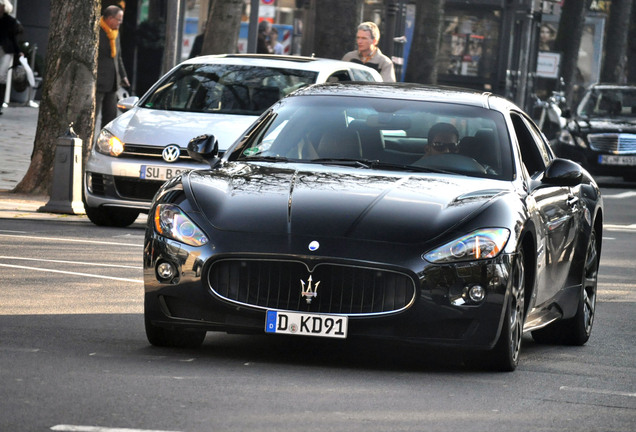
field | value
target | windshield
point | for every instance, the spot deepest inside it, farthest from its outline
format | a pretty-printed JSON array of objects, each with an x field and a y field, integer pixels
[
  {"x": 382, "y": 133},
  {"x": 225, "y": 89},
  {"x": 611, "y": 102}
]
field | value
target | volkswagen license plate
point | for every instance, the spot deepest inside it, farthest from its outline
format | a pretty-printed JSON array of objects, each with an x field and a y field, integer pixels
[
  {"x": 149, "y": 172},
  {"x": 334, "y": 326}
]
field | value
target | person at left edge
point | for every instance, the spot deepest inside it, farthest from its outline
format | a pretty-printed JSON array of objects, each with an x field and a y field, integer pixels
[
  {"x": 111, "y": 73},
  {"x": 9, "y": 49}
]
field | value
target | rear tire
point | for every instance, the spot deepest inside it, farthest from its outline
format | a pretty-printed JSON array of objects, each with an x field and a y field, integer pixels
[
  {"x": 111, "y": 216},
  {"x": 163, "y": 337},
  {"x": 577, "y": 330}
]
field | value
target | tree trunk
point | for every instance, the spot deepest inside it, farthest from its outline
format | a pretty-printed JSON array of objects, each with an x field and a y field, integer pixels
[
  {"x": 615, "y": 62},
  {"x": 222, "y": 28},
  {"x": 568, "y": 42},
  {"x": 336, "y": 21},
  {"x": 69, "y": 88},
  {"x": 422, "y": 65}
]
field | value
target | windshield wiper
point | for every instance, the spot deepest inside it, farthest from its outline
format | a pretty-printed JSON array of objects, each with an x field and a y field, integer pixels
[
  {"x": 264, "y": 159},
  {"x": 343, "y": 161},
  {"x": 376, "y": 164}
]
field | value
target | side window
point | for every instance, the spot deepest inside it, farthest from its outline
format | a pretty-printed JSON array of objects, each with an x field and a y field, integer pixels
[
  {"x": 361, "y": 75},
  {"x": 533, "y": 154},
  {"x": 338, "y": 76}
]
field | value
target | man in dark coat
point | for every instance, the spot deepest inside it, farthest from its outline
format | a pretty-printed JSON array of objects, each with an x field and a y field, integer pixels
[
  {"x": 110, "y": 68},
  {"x": 9, "y": 49}
]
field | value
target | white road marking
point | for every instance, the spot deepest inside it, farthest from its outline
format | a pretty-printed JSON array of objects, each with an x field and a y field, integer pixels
[
  {"x": 76, "y": 428},
  {"x": 598, "y": 391},
  {"x": 72, "y": 240},
  {"x": 72, "y": 273},
  {"x": 631, "y": 227},
  {"x": 70, "y": 262},
  {"x": 621, "y": 195}
]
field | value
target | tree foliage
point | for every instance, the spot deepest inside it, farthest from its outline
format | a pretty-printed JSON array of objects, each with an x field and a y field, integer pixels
[{"x": 69, "y": 88}]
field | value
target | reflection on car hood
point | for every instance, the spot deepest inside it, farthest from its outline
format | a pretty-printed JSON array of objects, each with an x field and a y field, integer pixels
[
  {"x": 609, "y": 124},
  {"x": 157, "y": 127},
  {"x": 364, "y": 204}
]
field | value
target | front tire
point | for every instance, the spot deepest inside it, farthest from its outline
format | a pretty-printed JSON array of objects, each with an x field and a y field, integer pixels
[
  {"x": 504, "y": 356},
  {"x": 111, "y": 216}
]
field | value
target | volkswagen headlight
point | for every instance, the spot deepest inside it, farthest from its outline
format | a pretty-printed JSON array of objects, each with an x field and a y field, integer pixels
[
  {"x": 482, "y": 244},
  {"x": 109, "y": 144}
]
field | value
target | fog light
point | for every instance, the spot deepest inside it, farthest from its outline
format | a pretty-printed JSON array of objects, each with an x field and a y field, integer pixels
[
  {"x": 477, "y": 293},
  {"x": 166, "y": 271}
]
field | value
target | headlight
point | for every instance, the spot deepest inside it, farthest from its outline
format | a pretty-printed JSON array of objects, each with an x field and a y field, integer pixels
[
  {"x": 171, "y": 222},
  {"x": 566, "y": 137},
  {"x": 109, "y": 144},
  {"x": 481, "y": 244}
]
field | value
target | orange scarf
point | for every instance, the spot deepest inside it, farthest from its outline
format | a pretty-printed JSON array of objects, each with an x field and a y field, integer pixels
[{"x": 112, "y": 36}]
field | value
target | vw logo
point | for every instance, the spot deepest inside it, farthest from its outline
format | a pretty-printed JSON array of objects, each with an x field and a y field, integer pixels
[
  {"x": 314, "y": 245},
  {"x": 171, "y": 153}
]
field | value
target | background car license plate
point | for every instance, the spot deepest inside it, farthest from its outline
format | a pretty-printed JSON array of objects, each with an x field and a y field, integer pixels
[
  {"x": 617, "y": 160},
  {"x": 149, "y": 172},
  {"x": 306, "y": 324}
]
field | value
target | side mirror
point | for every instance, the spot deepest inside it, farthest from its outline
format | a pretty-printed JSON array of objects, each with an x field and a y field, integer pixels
[
  {"x": 563, "y": 172},
  {"x": 126, "y": 104},
  {"x": 204, "y": 148}
]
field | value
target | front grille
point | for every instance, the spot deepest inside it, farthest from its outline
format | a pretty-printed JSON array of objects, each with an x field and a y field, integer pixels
[
  {"x": 144, "y": 152},
  {"x": 613, "y": 143},
  {"x": 128, "y": 187},
  {"x": 341, "y": 290}
]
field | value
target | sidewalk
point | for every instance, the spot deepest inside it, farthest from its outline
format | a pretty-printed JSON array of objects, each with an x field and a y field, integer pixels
[{"x": 17, "y": 135}]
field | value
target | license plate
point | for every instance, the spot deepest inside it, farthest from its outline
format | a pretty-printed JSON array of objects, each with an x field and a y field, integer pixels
[
  {"x": 149, "y": 172},
  {"x": 294, "y": 323},
  {"x": 617, "y": 160}
]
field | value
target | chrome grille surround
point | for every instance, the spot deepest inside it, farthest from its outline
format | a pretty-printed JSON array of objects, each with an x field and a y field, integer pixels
[
  {"x": 344, "y": 289},
  {"x": 614, "y": 143},
  {"x": 145, "y": 151}
]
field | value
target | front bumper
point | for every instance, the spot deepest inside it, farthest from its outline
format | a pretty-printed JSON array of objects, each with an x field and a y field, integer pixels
[
  {"x": 437, "y": 314},
  {"x": 111, "y": 181}
]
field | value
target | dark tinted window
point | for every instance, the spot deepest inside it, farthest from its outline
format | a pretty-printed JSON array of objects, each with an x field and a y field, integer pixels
[
  {"x": 387, "y": 131},
  {"x": 225, "y": 89}
]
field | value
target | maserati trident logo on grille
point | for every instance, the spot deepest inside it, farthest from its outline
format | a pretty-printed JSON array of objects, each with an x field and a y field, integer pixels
[
  {"x": 171, "y": 153},
  {"x": 311, "y": 292}
]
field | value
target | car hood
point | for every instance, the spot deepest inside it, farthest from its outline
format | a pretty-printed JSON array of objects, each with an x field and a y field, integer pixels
[
  {"x": 352, "y": 203},
  {"x": 156, "y": 127},
  {"x": 609, "y": 125}
]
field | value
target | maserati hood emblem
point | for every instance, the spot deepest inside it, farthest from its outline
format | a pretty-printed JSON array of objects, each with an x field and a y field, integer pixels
[{"x": 311, "y": 291}]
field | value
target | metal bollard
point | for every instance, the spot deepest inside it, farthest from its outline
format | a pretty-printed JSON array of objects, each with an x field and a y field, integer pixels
[{"x": 66, "y": 193}]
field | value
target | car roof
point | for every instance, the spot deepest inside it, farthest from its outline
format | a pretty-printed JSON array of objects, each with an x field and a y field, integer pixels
[
  {"x": 295, "y": 62},
  {"x": 410, "y": 91}
]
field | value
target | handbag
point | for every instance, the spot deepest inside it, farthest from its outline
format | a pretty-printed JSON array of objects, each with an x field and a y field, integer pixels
[{"x": 19, "y": 80}]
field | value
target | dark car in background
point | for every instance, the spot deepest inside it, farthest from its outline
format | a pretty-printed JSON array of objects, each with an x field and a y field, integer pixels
[
  {"x": 601, "y": 135},
  {"x": 335, "y": 216}
]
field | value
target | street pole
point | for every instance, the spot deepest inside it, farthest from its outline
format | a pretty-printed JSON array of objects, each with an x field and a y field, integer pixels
[
  {"x": 173, "y": 39},
  {"x": 252, "y": 32}
]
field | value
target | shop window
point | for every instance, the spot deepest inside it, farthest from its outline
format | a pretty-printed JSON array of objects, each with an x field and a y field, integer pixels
[{"x": 469, "y": 43}]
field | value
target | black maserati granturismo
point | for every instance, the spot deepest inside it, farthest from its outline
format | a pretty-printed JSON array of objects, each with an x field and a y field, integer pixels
[{"x": 422, "y": 214}]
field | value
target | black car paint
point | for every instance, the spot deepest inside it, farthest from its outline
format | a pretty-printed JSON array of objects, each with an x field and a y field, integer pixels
[{"x": 549, "y": 214}]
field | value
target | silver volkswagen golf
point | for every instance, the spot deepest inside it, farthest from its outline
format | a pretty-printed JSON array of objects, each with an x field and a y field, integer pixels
[{"x": 220, "y": 95}]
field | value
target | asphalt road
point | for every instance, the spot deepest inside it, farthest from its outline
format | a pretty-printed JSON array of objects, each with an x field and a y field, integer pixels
[{"x": 74, "y": 357}]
